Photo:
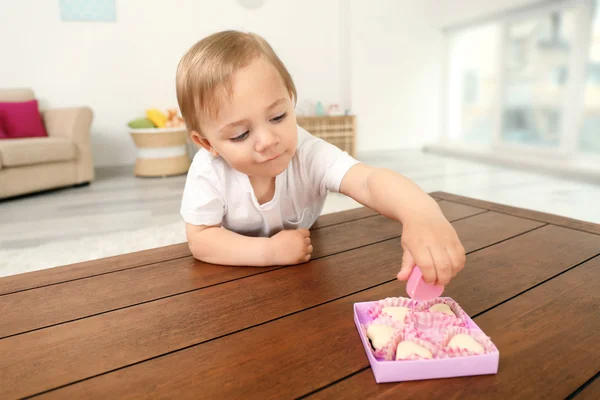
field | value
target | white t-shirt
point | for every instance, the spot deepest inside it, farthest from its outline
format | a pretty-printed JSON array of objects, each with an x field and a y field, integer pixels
[{"x": 216, "y": 194}]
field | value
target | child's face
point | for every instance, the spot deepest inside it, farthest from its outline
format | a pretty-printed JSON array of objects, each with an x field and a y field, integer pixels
[{"x": 255, "y": 130}]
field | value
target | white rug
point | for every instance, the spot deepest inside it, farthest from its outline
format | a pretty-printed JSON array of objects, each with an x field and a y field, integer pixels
[{"x": 64, "y": 252}]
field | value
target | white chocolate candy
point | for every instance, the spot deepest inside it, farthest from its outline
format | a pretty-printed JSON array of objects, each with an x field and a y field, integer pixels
[
  {"x": 464, "y": 341},
  {"x": 407, "y": 348},
  {"x": 443, "y": 308},
  {"x": 380, "y": 335},
  {"x": 397, "y": 313}
]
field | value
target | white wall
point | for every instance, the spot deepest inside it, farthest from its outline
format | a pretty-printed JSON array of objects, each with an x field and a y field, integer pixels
[
  {"x": 381, "y": 58},
  {"x": 395, "y": 78},
  {"x": 449, "y": 13},
  {"x": 120, "y": 69},
  {"x": 397, "y": 48}
]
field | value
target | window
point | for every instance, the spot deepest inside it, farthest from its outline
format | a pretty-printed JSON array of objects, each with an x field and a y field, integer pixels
[
  {"x": 589, "y": 141},
  {"x": 473, "y": 83},
  {"x": 528, "y": 81},
  {"x": 536, "y": 69}
]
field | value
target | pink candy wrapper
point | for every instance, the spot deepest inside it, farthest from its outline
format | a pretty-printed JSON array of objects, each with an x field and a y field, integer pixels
[
  {"x": 388, "y": 352},
  {"x": 377, "y": 310},
  {"x": 461, "y": 316},
  {"x": 479, "y": 336},
  {"x": 433, "y": 326},
  {"x": 412, "y": 335}
]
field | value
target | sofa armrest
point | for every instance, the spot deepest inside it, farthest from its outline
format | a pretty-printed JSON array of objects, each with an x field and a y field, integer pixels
[
  {"x": 74, "y": 124},
  {"x": 69, "y": 123}
]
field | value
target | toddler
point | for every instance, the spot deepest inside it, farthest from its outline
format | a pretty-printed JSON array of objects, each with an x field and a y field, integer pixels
[{"x": 260, "y": 181}]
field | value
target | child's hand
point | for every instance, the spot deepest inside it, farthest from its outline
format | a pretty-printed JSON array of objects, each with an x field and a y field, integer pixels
[
  {"x": 431, "y": 243},
  {"x": 290, "y": 247}
]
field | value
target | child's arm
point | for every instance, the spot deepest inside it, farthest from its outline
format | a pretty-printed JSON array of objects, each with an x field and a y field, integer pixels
[
  {"x": 428, "y": 239},
  {"x": 216, "y": 245}
]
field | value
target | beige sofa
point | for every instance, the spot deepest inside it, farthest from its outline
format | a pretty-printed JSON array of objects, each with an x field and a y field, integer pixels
[{"x": 64, "y": 158}]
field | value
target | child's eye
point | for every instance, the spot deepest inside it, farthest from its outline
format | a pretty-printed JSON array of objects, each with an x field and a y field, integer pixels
[
  {"x": 241, "y": 137},
  {"x": 279, "y": 118}
]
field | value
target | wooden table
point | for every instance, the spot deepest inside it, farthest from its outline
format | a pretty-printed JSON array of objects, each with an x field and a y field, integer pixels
[{"x": 160, "y": 324}]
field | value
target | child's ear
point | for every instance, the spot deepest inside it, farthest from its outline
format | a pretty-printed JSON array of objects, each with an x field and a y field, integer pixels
[{"x": 204, "y": 143}]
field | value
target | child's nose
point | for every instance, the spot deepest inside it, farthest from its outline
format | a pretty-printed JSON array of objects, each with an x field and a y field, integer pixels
[{"x": 266, "y": 140}]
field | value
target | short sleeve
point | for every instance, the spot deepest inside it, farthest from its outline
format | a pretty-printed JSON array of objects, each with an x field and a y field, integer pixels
[
  {"x": 325, "y": 164},
  {"x": 202, "y": 202}
]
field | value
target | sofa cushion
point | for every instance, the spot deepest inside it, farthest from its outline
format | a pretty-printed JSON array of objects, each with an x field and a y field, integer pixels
[
  {"x": 29, "y": 151},
  {"x": 22, "y": 119}
]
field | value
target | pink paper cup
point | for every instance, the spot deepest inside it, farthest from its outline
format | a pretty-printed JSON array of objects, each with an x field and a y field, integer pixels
[
  {"x": 411, "y": 335},
  {"x": 377, "y": 310},
  {"x": 432, "y": 326},
  {"x": 460, "y": 315},
  {"x": 479, "y": 336},
  {"x": 387, "y": 352}
]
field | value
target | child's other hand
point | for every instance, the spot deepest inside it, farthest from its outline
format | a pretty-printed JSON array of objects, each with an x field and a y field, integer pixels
[
  {"x": 431, "y": 243},
  {"x": 290, "y": 247}
]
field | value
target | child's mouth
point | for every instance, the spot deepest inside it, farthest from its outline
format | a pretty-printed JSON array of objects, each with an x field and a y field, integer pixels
[{"x": 272, "y": 158}]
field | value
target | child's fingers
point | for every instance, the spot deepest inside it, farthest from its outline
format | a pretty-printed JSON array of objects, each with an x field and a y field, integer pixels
[
  {"x": 443, "y": 265},
  {"x": 424, "y": 259},
  {"x": 304, "y": 232},
  {"x": 408, "y": 263},
  {"x": 309, "y": 249},
  {"x": 458, "y": 259}
]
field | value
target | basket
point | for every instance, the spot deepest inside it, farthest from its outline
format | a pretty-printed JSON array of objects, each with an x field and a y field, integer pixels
[{"x": 337, "y": 130}]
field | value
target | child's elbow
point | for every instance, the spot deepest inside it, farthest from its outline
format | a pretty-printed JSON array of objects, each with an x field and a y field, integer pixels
[
  {"x": 198, "y": 250},
  {"x": 198, "y": 247}
]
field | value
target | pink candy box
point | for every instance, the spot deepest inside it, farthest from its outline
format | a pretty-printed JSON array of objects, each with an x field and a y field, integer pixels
[{"x": 410, "y": 370}]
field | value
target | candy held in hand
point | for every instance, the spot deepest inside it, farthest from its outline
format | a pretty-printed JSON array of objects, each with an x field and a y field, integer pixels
[
  {"x": 418, "y": 289},
  {"x": 407, "y": 348},
  {"x": 397, "y": 313},
  {"x": 464, "y": 341},
  {"x": 442, "y": 308},
  {"x": 380, "y": 335}
]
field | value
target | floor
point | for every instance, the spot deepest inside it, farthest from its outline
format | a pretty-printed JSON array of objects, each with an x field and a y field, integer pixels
[{"x": 116, "y": 201}]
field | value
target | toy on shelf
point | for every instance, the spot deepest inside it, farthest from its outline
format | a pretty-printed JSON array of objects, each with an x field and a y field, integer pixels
[
  {"x": 162, "y": 144},
  {"x": 157, "y": 119},
  {"x": 335, "y": 110},
  {"x": 174, "y": 120}
]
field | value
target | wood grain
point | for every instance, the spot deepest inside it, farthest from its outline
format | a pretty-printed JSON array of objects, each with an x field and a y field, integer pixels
[
  {"x": 321, "y": 345},
  {"x": 44, "y": 359},
  {"x": 343, "y": 216},
  {"x": 16, "y": 283},
  {"x": 591, "y": 391},
  {"x": 547, "y": 341},
  {"x": 29, "y": 280},
  {"x": 138, "y": 333},
  {"x": 54, "y": 304},
  {"x": 520, "y": 212}
]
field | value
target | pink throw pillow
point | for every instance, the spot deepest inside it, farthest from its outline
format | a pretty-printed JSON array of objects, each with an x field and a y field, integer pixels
[
  {"x": 2, "y": 132},
  {"x": 21, "y": 119}
]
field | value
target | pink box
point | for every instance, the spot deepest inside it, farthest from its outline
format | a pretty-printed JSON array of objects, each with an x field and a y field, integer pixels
[{"x": 411, "y": 370}]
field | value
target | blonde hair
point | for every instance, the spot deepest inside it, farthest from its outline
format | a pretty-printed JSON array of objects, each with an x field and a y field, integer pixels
[{"x": 204, "y": 73}]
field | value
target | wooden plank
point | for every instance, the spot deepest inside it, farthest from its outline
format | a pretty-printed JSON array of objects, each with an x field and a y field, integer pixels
[
  {"x": 91, "y": 346},
  {"x": 358, "y": 213},
  {"x": 520, "y": 212},
  {"x": 591, "y": 391},
  {"x": 15, "y": 283},
  {"x": 321, "y": 345},
  {"x": 548, "y": 348},
  {"x": 54, "y": 304},
  {"x": 54, "y": 356},
  {"x": 343, "y": 216},
  {"x": 30, "y": 280}
]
